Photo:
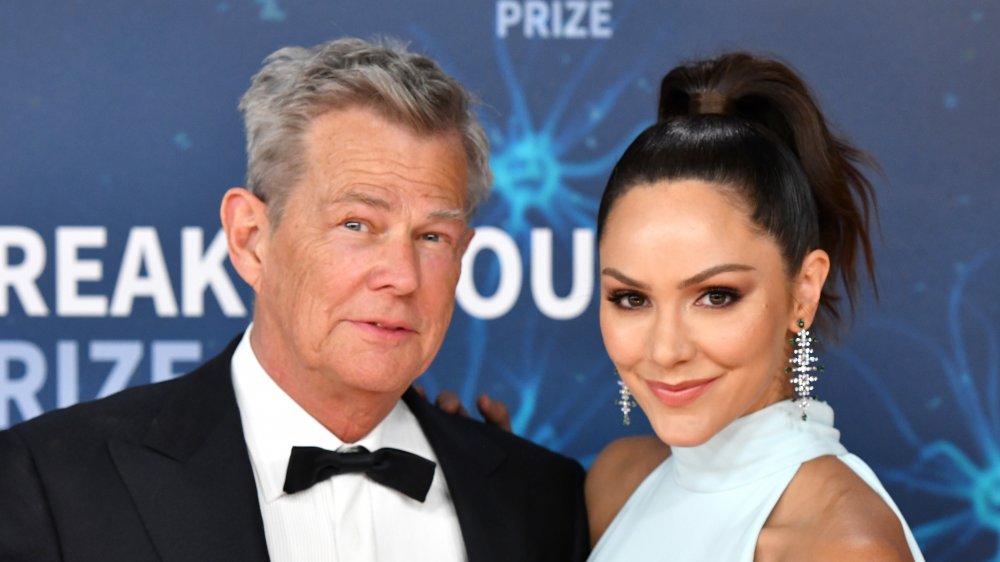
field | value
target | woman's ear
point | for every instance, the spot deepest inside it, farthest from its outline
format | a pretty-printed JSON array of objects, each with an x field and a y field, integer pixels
[
  {"x": 244, "y": 218},
  {"x": 808, "y": 288}
]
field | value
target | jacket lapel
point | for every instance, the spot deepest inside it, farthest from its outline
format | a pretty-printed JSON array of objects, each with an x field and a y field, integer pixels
[
  {"x": 488, "y": 504},
  {"x": 191, "y": 477}
]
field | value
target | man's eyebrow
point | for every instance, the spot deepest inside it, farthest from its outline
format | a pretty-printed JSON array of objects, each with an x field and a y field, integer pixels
[
  {"x": 383, "y": 204},
  {"x": 364, "y": 199},
  {"x": 612, "y": 272},
  {"x": 712, "y": 272},
  {"x": 448, "y": 214}
]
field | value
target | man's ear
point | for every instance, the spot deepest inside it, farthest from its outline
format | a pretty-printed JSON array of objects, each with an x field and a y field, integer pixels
[
  {"x": 808, "y": 288},
  {"x": 244, "y": 218}
]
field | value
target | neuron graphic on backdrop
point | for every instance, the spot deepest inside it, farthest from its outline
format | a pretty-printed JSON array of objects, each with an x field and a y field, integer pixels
[
  {"x": 540, "y": 179},
  {"x": 270, "y": 10},
  {"x": 968, "y": 479},
  {"x": 533, "y": 157}
]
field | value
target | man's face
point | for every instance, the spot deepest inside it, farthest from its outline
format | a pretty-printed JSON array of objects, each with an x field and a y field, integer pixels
[{"x": 357, "y": 281}]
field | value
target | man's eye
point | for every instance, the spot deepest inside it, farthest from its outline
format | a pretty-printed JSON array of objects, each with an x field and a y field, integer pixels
[
  {"x": 354, "y": 225},
  {"x": 432, "y": 237}
]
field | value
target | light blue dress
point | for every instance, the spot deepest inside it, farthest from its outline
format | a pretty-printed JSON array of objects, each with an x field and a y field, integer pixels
[{"x": 709, "y": 503}]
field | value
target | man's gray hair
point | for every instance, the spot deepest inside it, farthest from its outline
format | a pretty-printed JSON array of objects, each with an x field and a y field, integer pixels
[{"x": 298, "y": 84}]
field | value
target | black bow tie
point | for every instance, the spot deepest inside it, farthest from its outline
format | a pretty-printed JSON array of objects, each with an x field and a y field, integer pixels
[{"x": 408, "y": 473}]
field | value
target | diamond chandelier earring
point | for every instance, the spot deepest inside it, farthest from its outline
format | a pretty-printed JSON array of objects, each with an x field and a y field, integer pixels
[
  {"x": 804, "y": 360},
  {"x": 624, "y": 401}
]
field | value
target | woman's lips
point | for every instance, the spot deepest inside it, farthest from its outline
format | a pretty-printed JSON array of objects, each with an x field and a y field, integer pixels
[{"x": 681, "y": 394}]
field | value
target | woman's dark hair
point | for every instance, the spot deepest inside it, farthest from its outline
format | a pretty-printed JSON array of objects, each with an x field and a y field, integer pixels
[{"x": 751, "y": 124}]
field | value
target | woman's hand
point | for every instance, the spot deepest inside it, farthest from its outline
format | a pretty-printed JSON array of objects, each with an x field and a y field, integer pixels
[{"x": 494, "y": 412}]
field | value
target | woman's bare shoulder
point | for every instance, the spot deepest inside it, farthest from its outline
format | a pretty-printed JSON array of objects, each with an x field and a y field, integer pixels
[
  {"x": 829, "y": 513},
  {"x": 616, "y": 473}
]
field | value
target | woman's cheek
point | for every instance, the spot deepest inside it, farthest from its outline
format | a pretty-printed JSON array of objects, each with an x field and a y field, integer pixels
[{"x": 621, "y": 340}]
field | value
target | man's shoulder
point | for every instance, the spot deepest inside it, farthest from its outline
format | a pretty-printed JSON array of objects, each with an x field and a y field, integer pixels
[
  {"x": 117, "y": 411},
  {"x": 531, "y": 453},
  {"x": 123, "y": 414},
  {"x": 518, "y": 452},
  {"x": 529, "y": 450}
]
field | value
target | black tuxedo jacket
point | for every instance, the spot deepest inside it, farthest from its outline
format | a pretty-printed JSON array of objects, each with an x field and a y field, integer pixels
[{"x": 161, "y": 473}]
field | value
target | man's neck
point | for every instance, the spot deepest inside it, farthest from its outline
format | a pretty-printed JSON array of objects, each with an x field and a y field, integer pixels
[
  {"x": 347, "y": 412},
  {"x": 348, "y": 415}
]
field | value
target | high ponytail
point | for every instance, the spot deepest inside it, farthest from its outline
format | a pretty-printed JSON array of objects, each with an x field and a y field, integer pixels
[{"x": 751, "y": 124}]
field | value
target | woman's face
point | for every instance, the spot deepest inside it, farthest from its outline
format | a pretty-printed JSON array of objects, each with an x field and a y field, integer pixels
[{"x": 698, "y": 307}]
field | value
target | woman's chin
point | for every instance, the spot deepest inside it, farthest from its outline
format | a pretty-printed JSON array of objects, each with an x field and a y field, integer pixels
[{"x": 679, "y": 432}]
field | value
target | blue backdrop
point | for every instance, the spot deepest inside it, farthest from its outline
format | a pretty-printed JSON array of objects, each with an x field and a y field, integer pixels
[{"x": 119, "y": 133}]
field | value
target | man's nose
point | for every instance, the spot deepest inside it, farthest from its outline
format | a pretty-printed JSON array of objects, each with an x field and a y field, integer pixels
[{"x": 398, "y": 267}]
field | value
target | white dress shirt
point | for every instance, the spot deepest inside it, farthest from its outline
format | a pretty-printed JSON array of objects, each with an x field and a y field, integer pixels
[{"x": 347, "y": 517}]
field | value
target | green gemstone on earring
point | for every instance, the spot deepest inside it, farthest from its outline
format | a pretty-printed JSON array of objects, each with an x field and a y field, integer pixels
[{"x": 802, "y": 323}]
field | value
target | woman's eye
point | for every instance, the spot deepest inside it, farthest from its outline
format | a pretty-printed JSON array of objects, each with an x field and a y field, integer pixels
[
  {"x": 628, "y": 301},
  {"x": 718, "y": 298},
  {"x": 635, "y": 301}
]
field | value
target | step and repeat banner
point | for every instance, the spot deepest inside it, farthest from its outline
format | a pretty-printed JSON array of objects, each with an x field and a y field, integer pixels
[{"x": 119, "y": 134}]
